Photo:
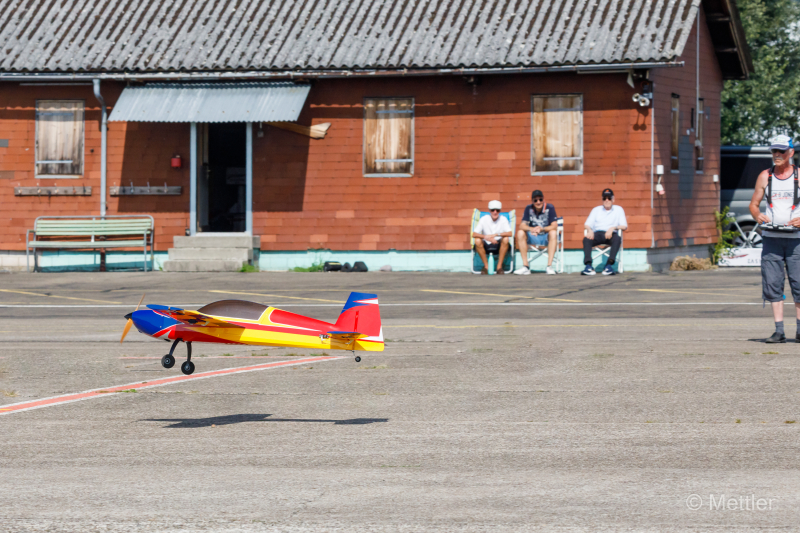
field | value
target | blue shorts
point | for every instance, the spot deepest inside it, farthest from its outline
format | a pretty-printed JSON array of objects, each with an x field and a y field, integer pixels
[{"x": 537, "y": 240}]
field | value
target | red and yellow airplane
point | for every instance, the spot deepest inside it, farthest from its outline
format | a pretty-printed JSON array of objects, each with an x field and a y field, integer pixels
[{"x": 240, "y": 322}]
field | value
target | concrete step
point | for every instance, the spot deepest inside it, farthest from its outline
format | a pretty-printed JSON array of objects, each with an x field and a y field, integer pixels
[
  {"x": 217, "y": 241},
  {"x": 215, "y": 265},
  {"x": 207, "y": 254}
]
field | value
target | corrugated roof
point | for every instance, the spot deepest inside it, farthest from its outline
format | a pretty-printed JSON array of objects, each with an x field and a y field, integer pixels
[
  {"x": 217, "y": 102},
  {"x": 231, "y": 35}
]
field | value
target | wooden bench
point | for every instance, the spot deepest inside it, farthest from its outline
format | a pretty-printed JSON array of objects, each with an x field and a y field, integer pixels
[{"x": 110, "y": 232}]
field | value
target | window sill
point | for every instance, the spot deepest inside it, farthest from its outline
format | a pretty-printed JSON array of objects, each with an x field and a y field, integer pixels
[
  {"x": 562, "y": 173},
  {"x": 388, "y": 175},
  {"x": 58, "y": 176}
]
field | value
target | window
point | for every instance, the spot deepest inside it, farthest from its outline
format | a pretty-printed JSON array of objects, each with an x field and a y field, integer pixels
[
  {"x": 389, "y": 137},
  {"x": 59, "y": 138},
  {"x": 557, "y": 134},
  {"x": 676, "y": 124},
  {"x": 698, "y": 140}
]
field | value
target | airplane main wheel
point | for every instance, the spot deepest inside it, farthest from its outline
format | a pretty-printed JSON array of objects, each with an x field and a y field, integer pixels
[
  {"x": 187, "y": 367},
  {"x": 358, "y": 359},
  {"x": 168, "y": 361}
]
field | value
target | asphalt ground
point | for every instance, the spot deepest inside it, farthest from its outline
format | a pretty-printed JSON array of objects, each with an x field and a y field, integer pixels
[{"x": 501, "y": 403}]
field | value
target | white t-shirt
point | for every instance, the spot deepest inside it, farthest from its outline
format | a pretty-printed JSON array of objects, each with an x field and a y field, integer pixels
[
  {"x": 600, "y": 219},
  {"x": 487, "y": 226}
]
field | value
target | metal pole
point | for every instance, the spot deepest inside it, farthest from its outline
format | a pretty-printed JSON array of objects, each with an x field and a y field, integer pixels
[
  {"x": 103, "y": 146},
  {"x": 193, "y": 179},
  {"x": 249, "y": 179}
]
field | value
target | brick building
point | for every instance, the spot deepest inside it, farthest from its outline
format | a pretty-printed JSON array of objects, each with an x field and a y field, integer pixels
[{"x": 434, "y": 109}]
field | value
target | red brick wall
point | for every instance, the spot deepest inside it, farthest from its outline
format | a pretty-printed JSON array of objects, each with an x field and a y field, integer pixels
[
  {"x": 678, "y": 221},
  {"x": 470, "y": 147}
]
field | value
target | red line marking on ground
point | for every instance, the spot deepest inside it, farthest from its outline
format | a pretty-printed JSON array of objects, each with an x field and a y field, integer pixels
[{"x": 97, "y": 393}]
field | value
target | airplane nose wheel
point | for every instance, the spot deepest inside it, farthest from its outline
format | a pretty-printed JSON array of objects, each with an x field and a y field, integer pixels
[{"x": 168, "y": 361}]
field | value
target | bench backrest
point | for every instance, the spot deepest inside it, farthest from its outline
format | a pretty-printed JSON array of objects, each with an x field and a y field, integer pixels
[{"x": 95, "y": 226}]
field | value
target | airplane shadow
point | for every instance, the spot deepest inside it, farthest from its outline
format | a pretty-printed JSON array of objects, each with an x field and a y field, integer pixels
[{"x": 237, "y": 419}]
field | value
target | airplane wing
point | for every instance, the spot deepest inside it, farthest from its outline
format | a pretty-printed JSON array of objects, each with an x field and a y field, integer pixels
[
  {"x": 192, "y": 318},
  {"x": 346, "y": 336}
]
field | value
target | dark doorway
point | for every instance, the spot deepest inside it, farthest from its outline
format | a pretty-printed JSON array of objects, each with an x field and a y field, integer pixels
[{"x": 226, "y": 167}]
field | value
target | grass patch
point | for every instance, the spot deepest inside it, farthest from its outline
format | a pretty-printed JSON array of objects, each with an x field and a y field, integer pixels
[
  {"x": 316, "y": 267},
  {"x": 227, "y": 355},
  {"x": 738, "y": 420},
  {"x": 482, "y": 350},
  {"x": 746, "y": 353},
  {"x": 9, "y": 393},
  {"x": 789, "y": 422},
  {"x": 601, "y": 355},
  {"x": 128, "y": 390},
  {"x": 378, "y": 367},
  {"x": 770, "y": 353},
  {"x": 248, "y": 268}
]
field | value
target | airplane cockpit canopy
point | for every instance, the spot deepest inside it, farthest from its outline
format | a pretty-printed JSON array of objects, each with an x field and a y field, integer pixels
[{"x": 234, "y": 309}]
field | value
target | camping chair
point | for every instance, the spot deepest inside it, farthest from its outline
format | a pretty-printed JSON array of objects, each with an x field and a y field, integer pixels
[
  {"x": 534, "y": 251},
  {"x": 605, "y": 249},
  {"x": 508, "y": 262}
]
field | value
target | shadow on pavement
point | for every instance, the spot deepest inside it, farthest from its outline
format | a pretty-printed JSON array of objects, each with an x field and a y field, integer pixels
[{"x": 237, "y": 419}]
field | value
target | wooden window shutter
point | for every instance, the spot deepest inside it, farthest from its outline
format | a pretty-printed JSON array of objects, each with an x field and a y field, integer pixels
[
  {"x": 59, "y": 137},
  {"x": 388, "y": 136},
  {"x": 557, "y": 134},
  {"x": 698, "y": 141},
  {"x": 676, "y": 133}
]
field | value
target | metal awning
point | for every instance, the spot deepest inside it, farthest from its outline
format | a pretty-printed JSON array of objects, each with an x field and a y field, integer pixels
[{"x": 211, "y": 102}]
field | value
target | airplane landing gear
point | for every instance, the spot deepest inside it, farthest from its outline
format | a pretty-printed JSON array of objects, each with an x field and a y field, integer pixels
[
  {"x": 188, "y": 367},
  {"x": 358, "y": 359},
  {"x": 168, "y": 361}
]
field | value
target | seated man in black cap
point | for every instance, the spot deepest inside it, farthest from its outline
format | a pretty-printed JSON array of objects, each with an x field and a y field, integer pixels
[
  {"x": 601, "y": 228},
  {"x": 539, "y": 228}
]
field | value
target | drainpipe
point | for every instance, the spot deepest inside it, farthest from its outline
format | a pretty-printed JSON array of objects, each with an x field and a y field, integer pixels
[{"x": 103, "y": 146}]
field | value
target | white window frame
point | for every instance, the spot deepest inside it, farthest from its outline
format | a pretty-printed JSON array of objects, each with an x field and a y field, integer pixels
[
  {"x": 36, "y": 162},
  {"x": 533, "y": 137},
  {"x": 364, "y": 139}
]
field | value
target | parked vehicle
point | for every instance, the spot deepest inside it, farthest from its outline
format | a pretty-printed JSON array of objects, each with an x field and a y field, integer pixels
[{"x": 739, "y": 170}]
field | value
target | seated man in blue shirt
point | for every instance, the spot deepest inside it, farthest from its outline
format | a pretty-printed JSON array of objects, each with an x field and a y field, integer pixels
[
  {"x": 601, "y": 228},
  {"x": 538, "y": 227}
]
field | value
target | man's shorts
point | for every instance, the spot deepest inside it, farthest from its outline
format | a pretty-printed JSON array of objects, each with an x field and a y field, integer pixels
[
  {"x": 778, "y": 257},
  {"x": 493, "y": 248},
  {"x": 537, "y": 240}
]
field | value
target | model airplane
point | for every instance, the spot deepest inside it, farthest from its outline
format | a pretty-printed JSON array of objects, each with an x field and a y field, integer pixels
[{"x": 239, "y": 322}]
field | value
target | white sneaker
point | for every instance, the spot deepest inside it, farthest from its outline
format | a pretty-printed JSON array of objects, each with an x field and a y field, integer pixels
[
  {"x": 550, "y": 270},
  {"x": 523, "y": 271}
]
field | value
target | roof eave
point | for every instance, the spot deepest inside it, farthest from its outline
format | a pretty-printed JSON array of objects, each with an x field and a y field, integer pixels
[{"x": 727, "y": 35}]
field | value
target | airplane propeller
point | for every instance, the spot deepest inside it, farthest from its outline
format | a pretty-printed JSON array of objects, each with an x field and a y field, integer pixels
[{"x": 130, "y": 320}]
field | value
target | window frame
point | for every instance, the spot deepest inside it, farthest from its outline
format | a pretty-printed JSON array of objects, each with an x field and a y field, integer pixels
[
  {"x": 412, "y": 139},
  {"x": 675, "y": 134},
  {"x": 533, "y": 138},
  {"x": 36, "y": 142}
]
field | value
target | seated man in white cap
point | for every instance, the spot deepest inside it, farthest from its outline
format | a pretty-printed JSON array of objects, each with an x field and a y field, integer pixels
[{"x": 492, "y": 233}]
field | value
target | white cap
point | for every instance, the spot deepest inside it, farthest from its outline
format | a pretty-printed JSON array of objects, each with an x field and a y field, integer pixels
[
  {"x": 495, "y": 204},
  {"x": 781, "y": 142}
]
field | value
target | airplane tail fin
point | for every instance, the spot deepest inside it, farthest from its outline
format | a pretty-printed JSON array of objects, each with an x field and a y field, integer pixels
[{"x": 361, "y": 314}]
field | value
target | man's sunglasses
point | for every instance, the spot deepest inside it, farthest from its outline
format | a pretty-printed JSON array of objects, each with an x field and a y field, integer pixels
[
  {"x": 538, "y": 200},
  {"x": 606, "y": 198},
  {"x": 776, "y": 151},
  {"x": 493, "y": 210}
]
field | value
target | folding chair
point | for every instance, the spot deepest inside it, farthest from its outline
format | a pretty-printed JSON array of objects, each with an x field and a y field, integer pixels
[
  {"x": 508, "y": 262},
  {"x": 605, "y": 249},
  {"x": 534, "y": 251}
]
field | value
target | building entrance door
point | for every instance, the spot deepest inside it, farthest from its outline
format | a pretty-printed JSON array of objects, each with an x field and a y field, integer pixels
[{"x": 221, "y": 180}]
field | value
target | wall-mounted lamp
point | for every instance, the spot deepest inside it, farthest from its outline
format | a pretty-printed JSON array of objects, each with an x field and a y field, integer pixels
[{"x": 660, "y": 173}]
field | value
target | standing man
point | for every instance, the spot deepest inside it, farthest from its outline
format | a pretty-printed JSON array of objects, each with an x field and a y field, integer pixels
[
  {"x": 538, "y": 227},
  {"x": 492, "y": 233},
  {"x": 601, "y": 228},
  {"x": 781, "y": 248}
]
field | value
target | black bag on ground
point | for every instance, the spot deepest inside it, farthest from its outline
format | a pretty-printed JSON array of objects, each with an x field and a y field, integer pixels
[
  {"x": 360, "y": 266},
  {"x": 332, "y": 266},
  {"x": 347, "y": 268}
]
